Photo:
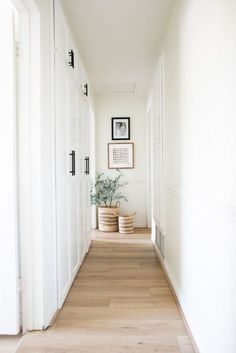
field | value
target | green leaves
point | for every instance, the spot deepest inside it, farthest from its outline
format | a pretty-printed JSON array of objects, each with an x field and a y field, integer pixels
[{"x": 106, "y": 191}]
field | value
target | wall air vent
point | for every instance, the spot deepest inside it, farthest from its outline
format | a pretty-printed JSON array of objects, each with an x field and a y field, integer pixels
[{"x": 121, "y": 88}]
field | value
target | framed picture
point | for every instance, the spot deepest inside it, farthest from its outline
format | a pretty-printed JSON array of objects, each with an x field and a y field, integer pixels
[
  {"x": 120, "y": 155},
  {"x": 120, "y": 128}
]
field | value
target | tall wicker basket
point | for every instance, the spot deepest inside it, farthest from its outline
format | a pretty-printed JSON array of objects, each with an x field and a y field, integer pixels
[{"x": 108, "y": 219}]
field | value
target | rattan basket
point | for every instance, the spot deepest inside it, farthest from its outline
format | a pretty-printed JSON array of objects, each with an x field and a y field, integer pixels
[
  {"x": 126, "y": 223},
  {"x": 108, "y": 219}
]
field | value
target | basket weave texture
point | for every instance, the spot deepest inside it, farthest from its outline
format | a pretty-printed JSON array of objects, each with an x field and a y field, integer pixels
[
  {"x": 108, "y": 219},
  {"x": 126, "y": 224}
]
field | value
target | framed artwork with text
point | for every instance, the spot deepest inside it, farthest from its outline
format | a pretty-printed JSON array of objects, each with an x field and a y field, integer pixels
[{"x": 120, "y": 155}]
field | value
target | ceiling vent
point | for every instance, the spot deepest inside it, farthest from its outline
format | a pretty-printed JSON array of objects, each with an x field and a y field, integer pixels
[{"x": 121, "y": 88}]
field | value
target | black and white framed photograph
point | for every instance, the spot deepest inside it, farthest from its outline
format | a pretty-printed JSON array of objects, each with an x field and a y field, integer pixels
[
  {"x": 120, "y": 128},
  {"x": 120, "y": 155}
]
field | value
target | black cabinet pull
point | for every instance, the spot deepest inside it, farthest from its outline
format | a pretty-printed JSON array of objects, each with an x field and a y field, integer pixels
[
  {"x": 72, "y": 61},
  {"x": 72, "y": 171},
  {"x": 85, "y": 171},
  {"x": 86, "y": 166},
  {"x": 86, "y": 90}
]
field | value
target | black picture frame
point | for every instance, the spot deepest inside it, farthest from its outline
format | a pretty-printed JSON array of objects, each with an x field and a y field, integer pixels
[{"x": 120, "y": 128}]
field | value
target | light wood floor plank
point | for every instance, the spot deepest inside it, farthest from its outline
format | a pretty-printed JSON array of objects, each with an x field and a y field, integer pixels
[{"x": 120, "y": 302}]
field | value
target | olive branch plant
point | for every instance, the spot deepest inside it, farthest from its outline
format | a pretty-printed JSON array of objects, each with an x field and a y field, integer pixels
[{"x": 106, "y": 191}]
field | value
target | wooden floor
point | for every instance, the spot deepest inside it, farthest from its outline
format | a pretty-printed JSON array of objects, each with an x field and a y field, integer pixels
[
  {"x": 120, "y": 303},
  {"x": 9, "y": 344}
]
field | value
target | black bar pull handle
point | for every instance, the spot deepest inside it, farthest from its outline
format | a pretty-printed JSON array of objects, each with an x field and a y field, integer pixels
[
  {"x": 86, "y": 159},
  {"x": 88, "y": 167},
  {"x": 72, "y": 60},
  {"x": 72, "y": 171},
  {"x": 86, "y": 89}
]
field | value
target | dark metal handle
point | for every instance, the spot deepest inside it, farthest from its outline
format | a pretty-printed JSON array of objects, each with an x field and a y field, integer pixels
[
  {"x": 85, "y": 159},
  {"x": 72, "y": 61},
  {"x": 86, "y": 166},
  {"x": 72, "y": 171},
  {"x": 86, "y": 89}
]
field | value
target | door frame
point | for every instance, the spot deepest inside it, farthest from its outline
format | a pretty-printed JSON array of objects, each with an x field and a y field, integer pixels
[
  {"x": 155, "y": 110},
  {"x": 93, "y": 163},
  {"x": 148, "y": 156},
  {"x": 29, "y": 166}
]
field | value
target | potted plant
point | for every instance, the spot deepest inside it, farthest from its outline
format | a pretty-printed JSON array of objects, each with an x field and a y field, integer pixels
[{"x": 106, "y": 195}]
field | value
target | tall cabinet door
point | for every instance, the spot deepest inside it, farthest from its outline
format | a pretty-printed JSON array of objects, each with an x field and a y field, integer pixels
[
  {"x": 73, "y": 147},
  {"x": 63, "y": 178},
  {"x": 85, "y": 177},
  {"x": 67, "y": 177},
  {"x": 72, "y": 152}
]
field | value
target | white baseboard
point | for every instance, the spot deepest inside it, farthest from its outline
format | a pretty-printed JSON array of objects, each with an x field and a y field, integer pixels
[{"x": 174, "y": 288}]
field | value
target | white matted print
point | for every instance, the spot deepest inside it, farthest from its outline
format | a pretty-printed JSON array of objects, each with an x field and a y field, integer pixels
[{"x": 120, "y": 155}]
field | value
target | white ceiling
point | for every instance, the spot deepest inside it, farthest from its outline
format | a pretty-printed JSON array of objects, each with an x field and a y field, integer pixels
[{"x": 118, "y": 38}]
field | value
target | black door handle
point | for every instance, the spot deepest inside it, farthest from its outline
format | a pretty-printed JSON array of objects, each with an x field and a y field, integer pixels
[
  {"x": 72, "y": 60},
  {"x": 86, "y": 166},
  {"x": 86, "y": 89},
  {"x": 72, "y": 171}
]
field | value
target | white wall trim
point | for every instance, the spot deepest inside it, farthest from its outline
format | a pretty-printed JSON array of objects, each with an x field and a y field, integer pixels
[{"x": 227, "y": 208}]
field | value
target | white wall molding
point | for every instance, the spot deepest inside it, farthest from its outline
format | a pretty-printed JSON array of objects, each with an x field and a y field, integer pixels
[
  {"x": 133, "y": 181},
  {"x": 227, "y": 208}
]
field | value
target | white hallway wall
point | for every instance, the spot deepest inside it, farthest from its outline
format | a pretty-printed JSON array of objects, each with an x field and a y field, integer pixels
[
  {"x": 133, "y": 106},
  {"x": 199, "y": 50},
  {"x": 9, "y": 302}
]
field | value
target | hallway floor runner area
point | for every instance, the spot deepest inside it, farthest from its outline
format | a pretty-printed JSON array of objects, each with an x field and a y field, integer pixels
[{"x": 120, "y": 302}]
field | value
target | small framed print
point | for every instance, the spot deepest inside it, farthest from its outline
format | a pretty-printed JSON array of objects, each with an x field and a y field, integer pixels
[
  {"x": 120, "y": 128},
  {"x": 120, "y": 155}
]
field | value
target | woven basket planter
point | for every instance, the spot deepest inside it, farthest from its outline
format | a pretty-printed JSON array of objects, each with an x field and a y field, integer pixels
[
  {"x": 126, "y": 224},
  {"x": 108, "y": 219}
]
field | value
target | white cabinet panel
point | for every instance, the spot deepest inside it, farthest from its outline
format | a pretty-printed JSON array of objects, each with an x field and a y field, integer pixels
[
  {"x": 63, "y": 242},
  {"x": 63, "y": 178},
  {"x": 82, "y": 227},
  {"x": 73, "y": 208},
  {"x": 61, "y": 33},
  {"x": 72, "y": 134}
]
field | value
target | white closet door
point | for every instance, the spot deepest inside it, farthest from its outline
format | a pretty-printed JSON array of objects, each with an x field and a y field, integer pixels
[
  {"x": 83, "y": 190},
  {"x": 73, "y": 145},
  {"x": 63, "y": 178},
  {"x": 70, "y": 241},
  {"x": 87, "y": 179},
  {"x": 71, "y": 115}
]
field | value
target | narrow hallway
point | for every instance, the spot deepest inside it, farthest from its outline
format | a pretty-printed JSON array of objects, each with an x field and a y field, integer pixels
[{"x": 120, "y": 302}]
